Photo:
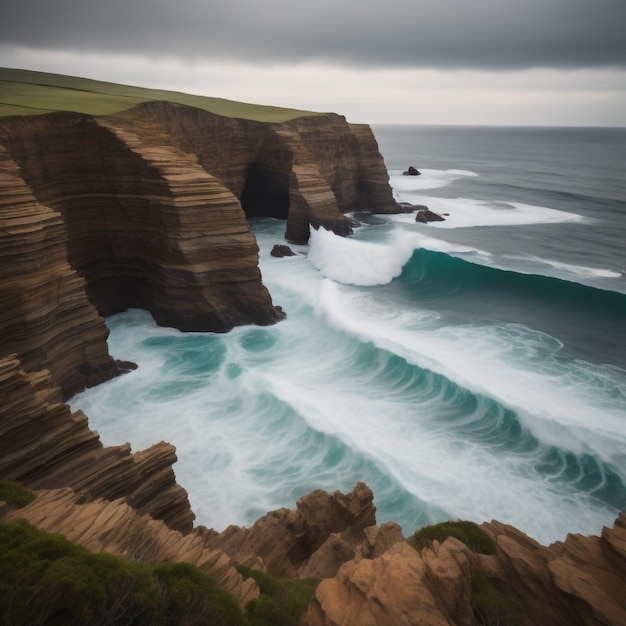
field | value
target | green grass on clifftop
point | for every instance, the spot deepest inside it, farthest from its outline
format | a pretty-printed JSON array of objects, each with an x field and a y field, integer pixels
[{"x": 23, "y": 92}]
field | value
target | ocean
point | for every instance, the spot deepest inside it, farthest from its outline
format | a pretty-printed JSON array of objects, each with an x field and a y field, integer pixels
[{"x": 473, "y": 368}]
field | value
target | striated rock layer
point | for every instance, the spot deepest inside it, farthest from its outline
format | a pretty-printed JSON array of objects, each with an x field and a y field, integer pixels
[
  {"x": 147, "y": 208},
  {"x": 44, "y": 445},
  {"x": 113, "y": 526}
]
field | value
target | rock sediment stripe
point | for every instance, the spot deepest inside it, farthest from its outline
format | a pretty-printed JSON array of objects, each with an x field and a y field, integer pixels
[
  {"x": 45, "y": 314},
  {"x": 43, "y": 444}
]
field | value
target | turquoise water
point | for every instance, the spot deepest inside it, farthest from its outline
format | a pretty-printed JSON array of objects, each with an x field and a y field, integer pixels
[{"x": 474, "y": 369}]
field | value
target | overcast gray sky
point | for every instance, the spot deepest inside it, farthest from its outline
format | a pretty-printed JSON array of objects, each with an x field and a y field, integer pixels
[{"x": 397, "y": 61}]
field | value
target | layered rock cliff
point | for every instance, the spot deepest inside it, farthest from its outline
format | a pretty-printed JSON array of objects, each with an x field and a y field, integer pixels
[{"x": 146, "y": 208}]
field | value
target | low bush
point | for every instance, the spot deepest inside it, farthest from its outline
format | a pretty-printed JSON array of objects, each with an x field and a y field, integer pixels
[
  {"x": 46, "y": 579},
  {"x": 281, "y": 603},
  {"x": 491, "y": 606},
  {"x": 469, "y": 533},
  {"x": 15, "y": 493}
]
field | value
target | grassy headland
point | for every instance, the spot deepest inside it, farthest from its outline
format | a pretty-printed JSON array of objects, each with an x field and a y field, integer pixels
[{"x": 23, "y": 92}]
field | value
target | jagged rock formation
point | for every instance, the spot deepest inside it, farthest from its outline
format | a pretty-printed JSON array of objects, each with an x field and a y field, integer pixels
[
  {"x": 44, "y": 445},
  {"x": 580, "y": 581},
  {"x": 314, "y": 540},
  {"x": 370, "y": 575}
]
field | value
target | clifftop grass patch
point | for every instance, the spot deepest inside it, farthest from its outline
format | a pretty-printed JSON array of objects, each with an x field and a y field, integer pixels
[{"x": 23, "y": 92}]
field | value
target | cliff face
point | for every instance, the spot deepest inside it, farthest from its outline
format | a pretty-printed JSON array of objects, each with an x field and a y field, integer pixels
[{"x": 147, "y": 208}]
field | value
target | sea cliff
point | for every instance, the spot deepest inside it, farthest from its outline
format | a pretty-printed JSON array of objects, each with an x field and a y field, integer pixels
[{"x": 147, "y": 206}]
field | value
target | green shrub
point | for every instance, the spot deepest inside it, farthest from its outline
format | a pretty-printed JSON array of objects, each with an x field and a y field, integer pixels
[
  {"x": 469, "y": 533},
  {"x": 46, "y": 579},
  {"x": 491, "y": 606},
  {"x": 15, "y": 493},
  {"x": 281, "y": 603},
  {"x": 193, "y": 598}
]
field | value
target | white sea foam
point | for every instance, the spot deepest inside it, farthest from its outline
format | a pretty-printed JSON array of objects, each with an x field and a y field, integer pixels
[
  {"x": 363, "y": 263},
  {"x": 513, "y": 364},
  {"x": 465, "y": 212},
  {"x": 564, "y": 269},
  {"x": 359, "y": 262}
]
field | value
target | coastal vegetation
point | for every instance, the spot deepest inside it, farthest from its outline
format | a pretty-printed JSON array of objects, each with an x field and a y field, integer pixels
[
  {"x": 281, "y": 603},
  {"x": 469, "y": 533},
  {"x": 24, "y": 92},
  {"x": 15, "y": 494},
  {"x": 47, "y": 579}
]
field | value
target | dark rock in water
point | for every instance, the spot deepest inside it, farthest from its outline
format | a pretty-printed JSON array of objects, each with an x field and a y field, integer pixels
[
  {"x": 406, "y": 207},
  {"x": 412, "y": 171},
  {"x": 426, "y": 215},
  {"x": 281, "y": 251}
]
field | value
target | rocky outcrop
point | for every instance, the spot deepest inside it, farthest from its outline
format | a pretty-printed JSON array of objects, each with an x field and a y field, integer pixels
[
  {"x": 425, "y": 215},
  {"x": 312, "y": 541},
  {"x": 44, "y": 445},
  {"x": 411, "y": 171},
  {"x": 370, "y": 575},
  {"x": 279, "y": 251},
  {"x": 579, "y": 581},
  {"x": 399, "y": 587}
]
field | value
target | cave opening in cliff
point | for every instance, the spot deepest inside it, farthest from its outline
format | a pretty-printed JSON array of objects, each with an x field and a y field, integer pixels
[{"x": 265, "y": 193}]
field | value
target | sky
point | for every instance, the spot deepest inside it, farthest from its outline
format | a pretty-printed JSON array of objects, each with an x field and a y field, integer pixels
[{"x": 504, "y": 62}]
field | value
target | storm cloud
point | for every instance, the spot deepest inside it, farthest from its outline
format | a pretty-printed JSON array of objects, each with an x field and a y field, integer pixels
[{"x": 445, "y": 34}]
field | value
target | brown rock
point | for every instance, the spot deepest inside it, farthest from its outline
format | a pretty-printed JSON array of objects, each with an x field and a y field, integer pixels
[
  {"x": 46, "y": 317},
  {"x": 578, "y": 581},
  {"x": 283, "y": 541},
  {"x": 390, "y": 589},
  {"x": 44, "y": 445}
]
